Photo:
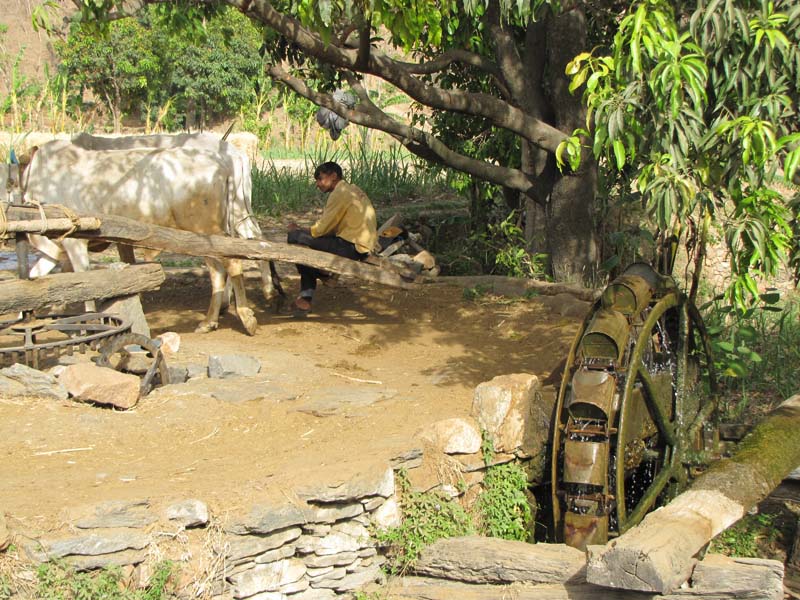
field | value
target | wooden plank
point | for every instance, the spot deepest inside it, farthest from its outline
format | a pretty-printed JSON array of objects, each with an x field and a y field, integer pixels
[
  {"x": 127, "y": 231},
  {"x": 658, "y": 554},
  {"x": 66, "y": 288}
]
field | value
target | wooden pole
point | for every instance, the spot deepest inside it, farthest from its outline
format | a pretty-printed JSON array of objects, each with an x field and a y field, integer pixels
[
  {"x": 65, "y": 288},
  {"x": 127, "y": 231},
  {"x": 52, "y": 225},
  {"x": 658, "y": 555}
]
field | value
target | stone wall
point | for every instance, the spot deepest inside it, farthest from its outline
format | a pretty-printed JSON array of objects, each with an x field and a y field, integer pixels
[{"x": 314, "y": 547}]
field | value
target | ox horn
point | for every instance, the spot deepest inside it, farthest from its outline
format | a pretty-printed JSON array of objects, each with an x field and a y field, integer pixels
[{"x": 227, "y": 133}]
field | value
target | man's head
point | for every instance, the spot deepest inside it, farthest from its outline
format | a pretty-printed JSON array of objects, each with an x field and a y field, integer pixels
[{"x": 327, "y": 175}]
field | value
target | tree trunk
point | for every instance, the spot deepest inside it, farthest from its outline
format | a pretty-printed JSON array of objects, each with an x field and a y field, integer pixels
[
  {"x": 658, "y": 555},
  {"x": 569, "y": 213}
]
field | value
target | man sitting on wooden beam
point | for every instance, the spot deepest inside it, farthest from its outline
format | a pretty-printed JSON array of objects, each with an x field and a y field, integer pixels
[{"x": 347, "y": 228}]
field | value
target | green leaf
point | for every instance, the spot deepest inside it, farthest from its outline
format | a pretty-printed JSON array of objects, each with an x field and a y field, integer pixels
[
  {"x": 725, "y": 346},
  {"x": 619, "y": 153}
]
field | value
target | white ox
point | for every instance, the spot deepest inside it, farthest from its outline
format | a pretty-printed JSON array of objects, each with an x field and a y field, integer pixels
[{"x": 180, "y": 186}]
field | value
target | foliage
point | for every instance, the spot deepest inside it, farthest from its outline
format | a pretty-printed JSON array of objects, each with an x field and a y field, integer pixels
[
  {"x": 386, "y": 177},
  {"x": 130, "y": 64},
  {"x": 756, "y": 352},
  {"x": 57, "y": 581},
  {"x": 120, "y": 68},
  {"x": 483, "y": 105},
  {"x": 747, "y": 537},
  {"x": 215, "y": 73},
  {"x": 694, "y": 107},
  {"x": 427, "y": 517},
  {"x": 507, "y": 242},
  {"x": 277, "y": 191},
  {"x": 503, "y": 506}
]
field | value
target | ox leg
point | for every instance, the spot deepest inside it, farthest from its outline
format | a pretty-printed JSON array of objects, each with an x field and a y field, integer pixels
[
  {"x": 216, "y": 271},
  {"x": 51, "y": 255},
  {"x": 245, "y": 313},
  {"x": 270, "y": 282}
]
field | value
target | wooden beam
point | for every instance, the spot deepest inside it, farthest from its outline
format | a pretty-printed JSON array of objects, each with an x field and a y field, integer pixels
[
  {"x": 66, "y": 288},
  {"x": 658, "y": 554},
  {"x": 59, "y": 225},
  {"x": 127, "y": 231}
]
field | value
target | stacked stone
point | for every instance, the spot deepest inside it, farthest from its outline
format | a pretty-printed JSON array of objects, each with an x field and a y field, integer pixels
[
  {"x": 315, "y": 548},
  {"x": 513, "y": 413},
  {"x": 112, "y": 534},
  {"x": 309, "y": 550}
]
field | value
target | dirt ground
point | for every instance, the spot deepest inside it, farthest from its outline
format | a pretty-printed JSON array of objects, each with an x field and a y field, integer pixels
[{"x": 421, "y": 353}]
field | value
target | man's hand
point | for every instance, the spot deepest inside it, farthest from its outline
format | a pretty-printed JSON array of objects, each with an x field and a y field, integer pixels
[{"x": 292, "y": 226}]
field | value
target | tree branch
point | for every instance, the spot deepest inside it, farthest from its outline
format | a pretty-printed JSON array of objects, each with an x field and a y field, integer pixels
[
  {"x": 500, "y": 113},
  {"x": 416, "y": 140},
  {"x": 508, "y": 57}
]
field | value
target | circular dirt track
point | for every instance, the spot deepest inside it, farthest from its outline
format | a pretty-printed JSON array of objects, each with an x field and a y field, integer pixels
[{"x": 338, "y": 391}]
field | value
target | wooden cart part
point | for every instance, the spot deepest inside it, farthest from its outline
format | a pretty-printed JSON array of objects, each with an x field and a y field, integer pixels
[{"x": 127, "y": 231}]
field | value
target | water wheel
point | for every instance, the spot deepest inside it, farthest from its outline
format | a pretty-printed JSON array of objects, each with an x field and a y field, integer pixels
[{"x": 636, "y": 390}]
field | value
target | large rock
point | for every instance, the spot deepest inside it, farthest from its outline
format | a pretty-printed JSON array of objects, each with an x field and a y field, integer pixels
[
  {"x": 267, "y": 517},
  {"x": 267, "y": 578},
  {"x": 222, "y": 366},
  {"x": 94, "y": 544},
  {"x": 514, "y": 413},
  {"x": 242, "y": 546},
  {"x": 114, "y": 513},
  {"x": 378, "y": 481},
  {"x": 453, "y": 436},
  {"x": 21, "y": 380},
  {"x": 189, "y": 513},
  {"x": 89, "y": 383},
  {"x": 387, "y": 515},
  {"x": 477, "y": 559},
  {"x": 129, "y": 308}
]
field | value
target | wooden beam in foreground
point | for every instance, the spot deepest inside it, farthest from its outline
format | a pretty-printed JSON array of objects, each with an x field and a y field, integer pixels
[{"x": 66, "y": 288}]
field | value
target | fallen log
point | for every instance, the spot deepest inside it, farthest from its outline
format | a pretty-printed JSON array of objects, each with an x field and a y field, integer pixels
[
  {"x": 62, "y": 288},
  {"x": 127, "y": 231},
  {"x": 715, "y": 578},
  {"x": 658, "y": 555}
]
